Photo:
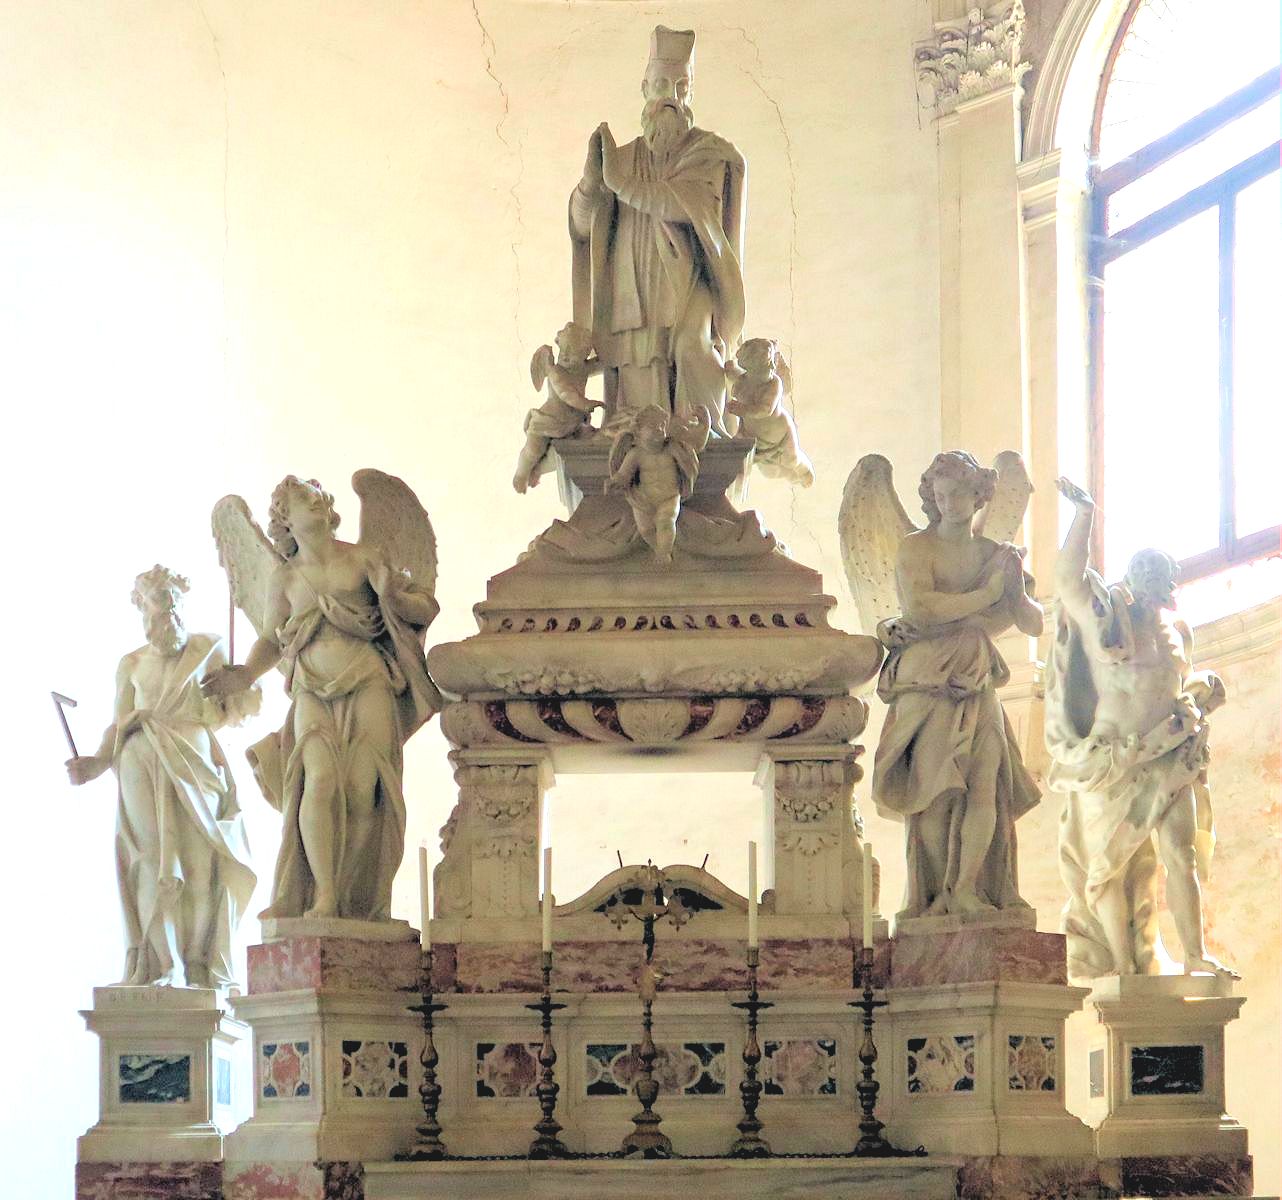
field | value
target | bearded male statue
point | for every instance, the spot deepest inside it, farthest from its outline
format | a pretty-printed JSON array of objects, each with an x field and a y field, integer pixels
[
  {"x": 656, "y": 228},
  {"x": 181, "y": 855},
  {"x": 1126, "y": 728}
]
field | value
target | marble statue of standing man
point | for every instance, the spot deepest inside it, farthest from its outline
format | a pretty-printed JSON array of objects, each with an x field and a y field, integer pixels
[
  {"x": 1126, "y": 729},
  {"x": 181, "y": 856},
  {"x": 657, "y": 232}
]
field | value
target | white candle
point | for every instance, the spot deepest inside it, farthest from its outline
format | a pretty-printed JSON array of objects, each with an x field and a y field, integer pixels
[
  {"x": 866, "y": 895},
  {"x": 752, "y": 896},
  {"x": 424, "y": 897},
  {"x": 547, "y": 899}
]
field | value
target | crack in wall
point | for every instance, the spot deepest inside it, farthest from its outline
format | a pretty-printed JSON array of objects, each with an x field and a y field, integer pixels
[
  {"x": 222, "y": 72},
  {"x": 489, "y": 49}
]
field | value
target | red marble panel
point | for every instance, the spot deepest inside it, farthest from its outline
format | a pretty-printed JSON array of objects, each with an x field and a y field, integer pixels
[
  {"x": 155, "y": 1181},
  {"x": 340, "y": 963},
  {"x": 978, "y": 956},
  {"x": 274, "y": 1181}
]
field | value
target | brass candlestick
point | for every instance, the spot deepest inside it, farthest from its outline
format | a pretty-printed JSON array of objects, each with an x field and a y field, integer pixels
[
  {"x": 646, "y": 1139},
  {"x": 428, "y": 1147},
  {"x": 871, "y": 1144},
  {"x": 750, "y": 1143},
  {"x": 547, "y": 1144}
]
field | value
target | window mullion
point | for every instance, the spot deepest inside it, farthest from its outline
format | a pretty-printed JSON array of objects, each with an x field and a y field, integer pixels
[{"x": 1228, "y": 235}]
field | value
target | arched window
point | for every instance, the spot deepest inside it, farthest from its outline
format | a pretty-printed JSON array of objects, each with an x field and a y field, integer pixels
[{"x": 1186, "y": 307}]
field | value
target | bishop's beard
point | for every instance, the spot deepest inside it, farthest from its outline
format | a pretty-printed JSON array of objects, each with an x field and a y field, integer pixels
[
  {"x": 663, "y": 124},
  {"x": 165, "y": 632}
]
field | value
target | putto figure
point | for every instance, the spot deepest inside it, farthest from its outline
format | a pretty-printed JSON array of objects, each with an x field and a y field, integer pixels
[
  {"x": 948, "y": 764},
  {"x": 346, "y": 624},
  {"x": 657, "y": 235},
  {"x": 761, "y": 381},
  {"x": 181, "y": 856},
  {"x": 567, "y": 411},
  {"x": 654, "y": 461},
  {"x": 1126, "y": 727}
]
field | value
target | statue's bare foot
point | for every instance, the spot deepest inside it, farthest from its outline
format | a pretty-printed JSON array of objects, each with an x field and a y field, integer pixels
[
  {"x": 938, "y": 906},
  {"x": 969, "y": 901},
  {"x": 1209, "y": 966}
]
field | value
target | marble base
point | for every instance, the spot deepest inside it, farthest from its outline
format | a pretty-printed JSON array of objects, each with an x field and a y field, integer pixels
[
  {"x": 1005, "y": 918},
  {"x": 1180, "y": 1175},
  {"x": 968, "y": 955},
  {"x": 848, "y": 1179},
  {"x": 335, "y": 1054},
  {"x": 1011, "y": 1178},
  {"x": 169, "y": 1065},
  {"x": 1158, "y": 1067},
  {"x": 155, "y": 1181},
  {"x": 278, "y": 928}
]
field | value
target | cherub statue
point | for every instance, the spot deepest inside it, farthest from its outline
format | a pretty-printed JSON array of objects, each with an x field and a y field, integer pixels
[
  {"x": 182, "y": 860},
  {"x": 761, "y": 381},
  {"x": 948, "y": 763},
  {"x": 345, "y": 622},
  {"x": 654, "y": 461},
  {"x": 1127, "y": 733},
  {"x": 567, "y": 411}
]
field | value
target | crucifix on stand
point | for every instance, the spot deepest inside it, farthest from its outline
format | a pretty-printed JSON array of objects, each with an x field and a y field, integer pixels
[{"x": 649, "y": 896}]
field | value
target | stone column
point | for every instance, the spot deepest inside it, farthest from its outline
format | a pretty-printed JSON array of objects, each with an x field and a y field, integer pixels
[
  {"x": 810, "y": 827},
  {"x": 490, "y": 844}
]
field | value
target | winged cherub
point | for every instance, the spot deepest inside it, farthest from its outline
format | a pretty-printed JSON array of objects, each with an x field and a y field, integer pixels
[
  {"x": 345, "y": 622},
  {"x": 761, "y": 380},
  {"x": 654, "y": 461},
  {"x": 948, "y": 764},
  {"x": 567, "y": 410}
]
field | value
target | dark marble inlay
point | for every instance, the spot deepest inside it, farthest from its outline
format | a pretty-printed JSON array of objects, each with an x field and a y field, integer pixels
[
  {"x": 1096, "y": 1069},
  {"x": 681, "y": 1068},
  {"x": 1187, "y": 1175},
  {"x": 1167, "y": 1070},
  {"x": 155, "y": 1078}
]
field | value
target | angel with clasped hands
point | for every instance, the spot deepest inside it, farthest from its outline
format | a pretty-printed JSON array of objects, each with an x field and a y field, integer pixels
[{"x": 347, "y": 627}]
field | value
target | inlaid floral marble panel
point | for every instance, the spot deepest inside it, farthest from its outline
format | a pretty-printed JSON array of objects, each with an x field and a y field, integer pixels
[
  {"x": 681, "y": 1068},
  {"x": 506, "y": 1070},
  {"x": 155, "y": 1078},
  {"x": 285, "y": 1070},
  {"x": 1166, "y": 1070},
  {"x": 941, "y": 1064},
  {"x": 799, "y": 1067},
  {"x": 375, "y": 1070},
  {"x": 1030, "y": 1063}
]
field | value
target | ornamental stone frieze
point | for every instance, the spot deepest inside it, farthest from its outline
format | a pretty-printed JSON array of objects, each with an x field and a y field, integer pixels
[{"x": 973, "y": 56}]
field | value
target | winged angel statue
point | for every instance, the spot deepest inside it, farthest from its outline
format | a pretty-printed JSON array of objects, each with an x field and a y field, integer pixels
[
  {"x": 345, "y": 623},
  {"x": 948, "y": 764}
]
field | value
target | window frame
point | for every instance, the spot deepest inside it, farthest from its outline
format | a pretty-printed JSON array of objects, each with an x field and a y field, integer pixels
[{"x": 1103, "y": 247}]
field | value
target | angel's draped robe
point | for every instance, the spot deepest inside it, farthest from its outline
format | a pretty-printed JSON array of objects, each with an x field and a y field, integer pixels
[
  {"x": 166, "y": 754},
  {"x": 380, "y": 653},
  {"x": 941, "y": 687},
  {"x": 1117, "y": 790}
]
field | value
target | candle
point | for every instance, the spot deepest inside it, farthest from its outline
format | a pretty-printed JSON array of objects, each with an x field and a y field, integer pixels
[
  {"x": 752, "y": 896},
  {"x": 866, "y": 894},
  {"x": 547, "y": 900},
  {"x": 424, "y": 897}
]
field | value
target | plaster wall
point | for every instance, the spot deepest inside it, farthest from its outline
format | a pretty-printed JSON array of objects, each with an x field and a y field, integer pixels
[{"x": 243, "y": 240}]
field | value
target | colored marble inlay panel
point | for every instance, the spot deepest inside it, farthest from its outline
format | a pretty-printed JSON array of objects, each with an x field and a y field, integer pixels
[
  {"x": 1030, "y": 1063},
  {"x": 681, "y": 1068},
  {"x": 1166, "y": 1070},
  {"x": 375, "y": 1070},
  {"x": 799, "y": 1067},
  {"x": 941, "y": 1064},
  {"x": 222, "y": 1081},
  {"x": 155, "y": 1078},
  {"x": 506, "y": 1070},
  {"x": 1095, "y": 1072},
  {"x": 170, "y": 1181},
  {"x": 286, "y": 1069}
]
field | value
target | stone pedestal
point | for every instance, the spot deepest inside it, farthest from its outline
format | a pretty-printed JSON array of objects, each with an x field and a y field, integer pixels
[
  {"x": 335, "y": 1053},
  {"x": 1157, "y": 1066},
  {"x": 167, "y": 1072},
  {"x": 974, "y": 1051}
]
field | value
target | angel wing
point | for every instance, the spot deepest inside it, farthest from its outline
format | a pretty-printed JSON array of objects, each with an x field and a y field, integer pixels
[
  {"x": 397, "y": 526},
  {"x": 624, "y": 440},
  {"x": 785, "y": 373},
  {"x": 541, "y": 366},
  {"x": 247, "y": 556},
  {"x": 1003, "y": 516},
  {"x": 871, "y": 524}
]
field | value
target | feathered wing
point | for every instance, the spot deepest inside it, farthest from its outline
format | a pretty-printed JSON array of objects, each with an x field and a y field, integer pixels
[
  {"x": 785, "y": 374},
  {"x": 396, "y": 526},
  {"x": 1002, "y": 518},
  {"x": 871, "y": 524},
  {"x": 247, "y": 556},
  {"x": 624, "y": 440},
  {"x": 541, "y": 367}
]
